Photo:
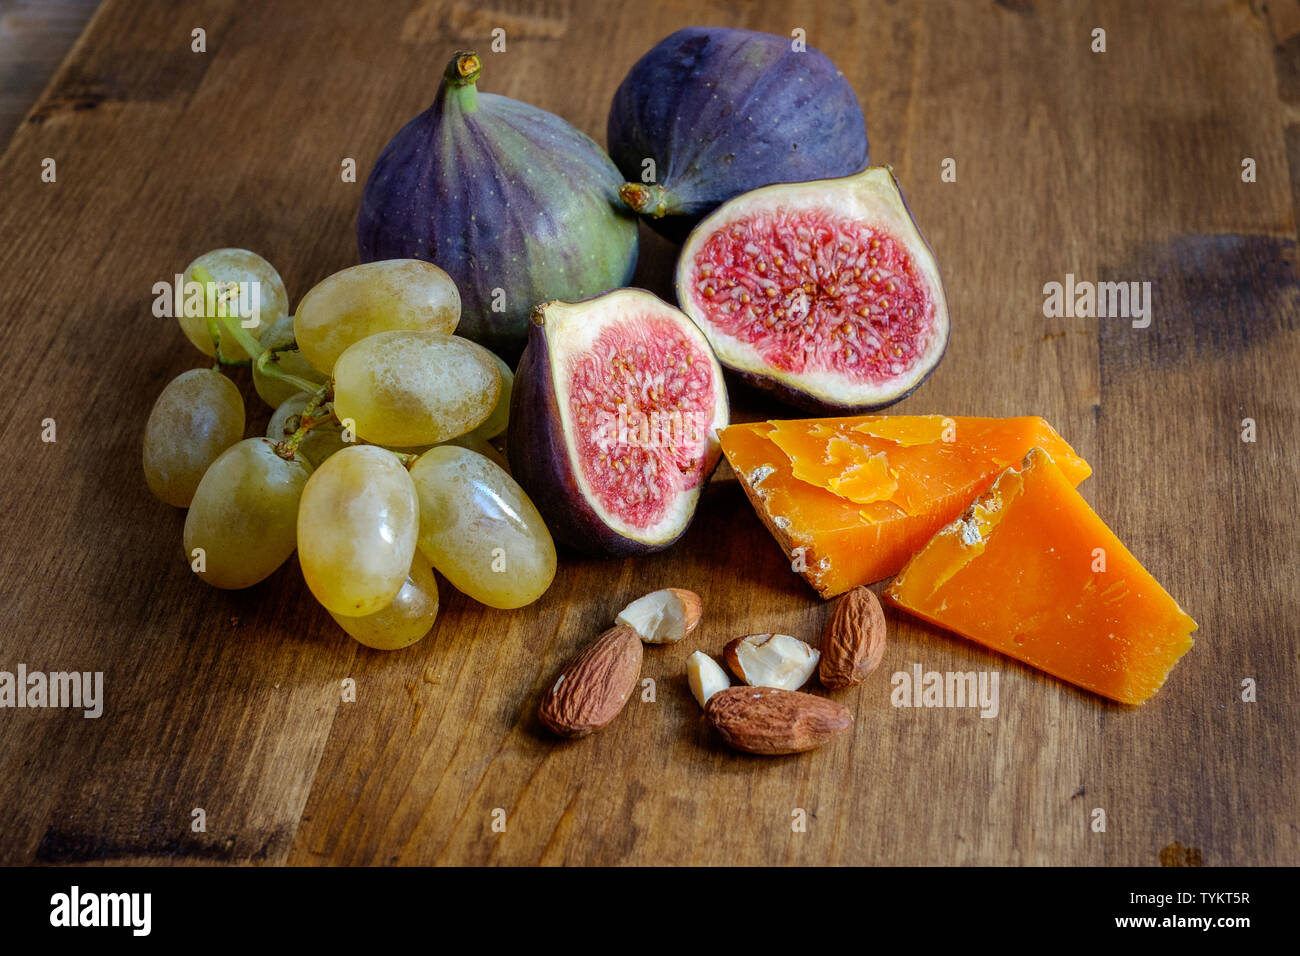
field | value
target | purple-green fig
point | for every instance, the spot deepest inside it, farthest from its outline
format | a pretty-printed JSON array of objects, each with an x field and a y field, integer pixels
[
  {"x": 516, "y": 205},
  {"x": 713, "y": 112}
]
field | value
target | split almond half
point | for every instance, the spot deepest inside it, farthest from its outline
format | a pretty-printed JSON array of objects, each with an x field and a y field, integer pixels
[
  {"x": 663, "y": 617},
  {"x": 767, "y": 720},
  {"x": 705, "y": 677},
  {"x": 771, "y": 660},
  {"x": 593, "y": 687}
]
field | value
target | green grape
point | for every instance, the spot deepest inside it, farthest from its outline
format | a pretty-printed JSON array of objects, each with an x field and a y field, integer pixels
[
  {"x": 480, "y": 530},
  {"x": 406, "y": 619},
  {"x": 244, "y": 515},
  {"x": 275, "y": 391},
  {"x": 496, "y": 422},
  {"x": 357, "y": 528},
  {"x": 384, "y": 296},
  {"x": 404, "y": 449},
  {"x": 415, "y": 388},
  {"x": 319, "y": 443},
  {"x": 198, "y": 416},
  {"x": 269, "y": 305},
  {"x": 484, "y": 448},
  {"x": 469, "y": 440}
]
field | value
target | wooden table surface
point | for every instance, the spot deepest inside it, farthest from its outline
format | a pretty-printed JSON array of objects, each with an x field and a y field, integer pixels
[
  {"x": 1123, "y": 165},
  {"x": 35, "y": 36}
]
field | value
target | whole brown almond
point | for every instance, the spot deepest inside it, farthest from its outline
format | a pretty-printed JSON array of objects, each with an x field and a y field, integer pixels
[
  {"x": 594, "y": 686},
  {"x": 854, "y": 641},
  {"x": 766, "y": 720}
]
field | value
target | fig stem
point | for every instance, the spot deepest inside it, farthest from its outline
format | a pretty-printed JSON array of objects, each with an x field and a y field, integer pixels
[
  {"x": 459, "y": 79},
  {"x": 648, "y": 199}
]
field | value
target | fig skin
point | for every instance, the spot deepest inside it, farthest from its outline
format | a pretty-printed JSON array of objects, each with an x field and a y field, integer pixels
[
  {"x": 785, "y": 390},
  {"x": 681, "y": 105},
  {"x": 540, "y": 463},
  {"x": 815, "y": 405},
  {"x": 500, "y": 195}
]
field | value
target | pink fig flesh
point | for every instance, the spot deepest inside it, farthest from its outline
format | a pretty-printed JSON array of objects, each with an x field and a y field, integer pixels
[
  {"x": 614, "y": 418},
  {"x": 825, "y": 292}
]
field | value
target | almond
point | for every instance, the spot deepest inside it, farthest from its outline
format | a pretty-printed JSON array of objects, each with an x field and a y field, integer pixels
[
  {"x": 767, "y": 720},
  {"x": 594, "y": 686},
  {"x": 771, "y": 660},
  {"x": 663, "y": 617},
  {"x": 854, "y": 641}
]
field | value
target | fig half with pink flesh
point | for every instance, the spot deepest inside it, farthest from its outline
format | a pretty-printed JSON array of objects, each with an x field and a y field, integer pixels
[
  {"x": 614, "y": 421},
  {"x": 824, "y": 292}
]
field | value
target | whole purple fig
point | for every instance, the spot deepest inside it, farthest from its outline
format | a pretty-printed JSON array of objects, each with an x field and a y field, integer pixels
[
  {"x": 712, "y": 112},
  {"x": 516, "y": 205}
]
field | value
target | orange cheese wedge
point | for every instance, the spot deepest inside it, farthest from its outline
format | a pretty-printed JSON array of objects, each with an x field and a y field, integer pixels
[
  {"x": 850, "y": 500},
  {"x": 1031, "y": 571}
]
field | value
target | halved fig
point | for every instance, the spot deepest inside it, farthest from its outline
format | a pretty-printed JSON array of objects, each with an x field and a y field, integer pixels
[
  {"x": 614, "y": 421},
  {"x": 824, "y": 292}
]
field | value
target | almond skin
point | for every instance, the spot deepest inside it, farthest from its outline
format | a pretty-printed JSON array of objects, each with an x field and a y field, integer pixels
[
  {"x": 692, "y": 607},
  {"x": 593, "y": 687},
  {"x": 766, "y": 720},
  {"x": 854, "y": 641},
  {"x": 665, "y": 616},
  {"x": 732, "y": 660}
]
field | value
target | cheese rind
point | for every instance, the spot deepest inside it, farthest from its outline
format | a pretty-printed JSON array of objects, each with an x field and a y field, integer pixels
[
  {"x": 850, "y": 500},
  {"x": 1031, "y": 571}
]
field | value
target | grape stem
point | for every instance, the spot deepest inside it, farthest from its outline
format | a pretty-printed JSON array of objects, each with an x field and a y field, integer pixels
[
  {"x": 227, "y": 325},
  {"x": 268, "y": 363},
  {"x": 215, "y": 331},
  {"x": 318, "y": 411}
]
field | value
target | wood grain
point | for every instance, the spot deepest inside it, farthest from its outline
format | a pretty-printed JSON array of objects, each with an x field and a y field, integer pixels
[
  {"x": 35, "y": 35},
  {"x": 1123, "y": 165}
]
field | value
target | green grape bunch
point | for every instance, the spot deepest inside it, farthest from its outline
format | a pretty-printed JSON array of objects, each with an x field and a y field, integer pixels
[{"x": 376, "y": 465}]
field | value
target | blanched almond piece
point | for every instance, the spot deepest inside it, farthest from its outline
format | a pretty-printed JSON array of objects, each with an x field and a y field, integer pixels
[
  {"x": 663, "y": 617},
  {"x": 771, "y": 660},
  {"x": 705, "y": 677}
]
